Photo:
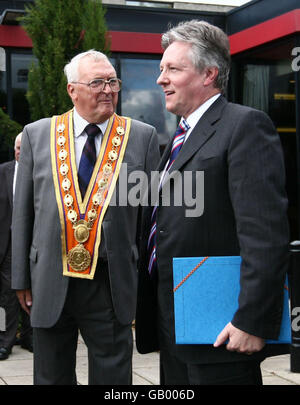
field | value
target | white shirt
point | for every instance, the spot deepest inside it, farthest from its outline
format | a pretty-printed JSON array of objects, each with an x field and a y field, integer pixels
[
  {"x": 80, "y": 136},
  {"x": 192, "y": 120},
  {"x": 197, "y": 114},
  {"x": 15, "y": 178}
]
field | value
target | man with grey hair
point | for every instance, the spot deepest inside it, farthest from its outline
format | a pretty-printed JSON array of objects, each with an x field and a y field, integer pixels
[
  {"x": 244, "y": 215},
  {"x": 8, "y": 299},
  {"x": 74, "y": 252}
]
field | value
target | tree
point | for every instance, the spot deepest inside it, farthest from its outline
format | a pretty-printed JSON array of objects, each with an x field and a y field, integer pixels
[
  {"x": 9, "y": 129},
  {"x": 59, "y": 30}
]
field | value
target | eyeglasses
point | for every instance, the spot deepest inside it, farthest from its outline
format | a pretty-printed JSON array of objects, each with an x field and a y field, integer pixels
[{"x": 98, "y": 85}]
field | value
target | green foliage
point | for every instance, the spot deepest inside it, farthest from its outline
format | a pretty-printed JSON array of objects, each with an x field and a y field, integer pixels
[
  {"x": 9, "y": 129},
  {"x": 59, "y": 30}
]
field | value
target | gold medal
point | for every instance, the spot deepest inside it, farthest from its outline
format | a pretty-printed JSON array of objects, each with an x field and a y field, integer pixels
[
  {"x": 116, "y": 141},
  {"x": 92, "y": 215},
  {"x": 68, "y": 200},
  {"x": 97, "y": 199},
  {"x": 120, "y": 131},
  {"x": 72, "y": 215},
  {"x": 103, "y": 183},
  {"x": 61, "y": 140},
  {"x": 113, "y": 155},
  {"x": 63, "y": 154},
  {"x": 81, "y": 231},
  {"x": 107, "y": 169},
  {"x": 64, "y": 168},
  {"x": 79, "y": 258},
  {"x": 66, "y": 184},
  {"x": 61, "y": 128}
]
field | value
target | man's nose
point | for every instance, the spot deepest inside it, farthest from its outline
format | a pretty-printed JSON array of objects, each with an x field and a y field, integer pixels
[
  {"x": 107, "y": 89},
  {"x": 162, "y": 78}
]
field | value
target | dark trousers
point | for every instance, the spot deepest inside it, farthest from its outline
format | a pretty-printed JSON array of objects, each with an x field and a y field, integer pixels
[
  {"x": 14, "y": 314},
  {"x": 88, "y": 309},
  {"x": 175, "y": 372}
]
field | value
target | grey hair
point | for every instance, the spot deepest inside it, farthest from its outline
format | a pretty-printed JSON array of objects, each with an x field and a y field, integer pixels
[
  {"x": 18, "y": 137},
  {"x": 210, "y": 47},
  {"x": 71, "y": 68}
]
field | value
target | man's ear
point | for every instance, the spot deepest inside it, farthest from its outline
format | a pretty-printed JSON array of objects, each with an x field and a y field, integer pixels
[
  {"x": 211, "y": 75},
  {"x": 71, "y": 91}
]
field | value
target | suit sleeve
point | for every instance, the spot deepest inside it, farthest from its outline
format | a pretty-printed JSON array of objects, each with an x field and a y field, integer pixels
[
  {"x": 257, "y": 189},
  {"x": 153, "y": 154},
  {"x": 23, "y": 217},
  {"x": 3, "y": 213}
]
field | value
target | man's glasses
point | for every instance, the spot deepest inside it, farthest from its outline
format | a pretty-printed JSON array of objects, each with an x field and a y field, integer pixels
[{"x": 98, "y": 85}]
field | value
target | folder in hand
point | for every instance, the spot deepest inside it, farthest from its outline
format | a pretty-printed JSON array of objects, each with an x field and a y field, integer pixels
[{"x": 206, "y": 298}]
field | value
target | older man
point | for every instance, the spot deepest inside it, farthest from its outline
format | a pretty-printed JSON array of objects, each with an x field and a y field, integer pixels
[
  {"x": 244, "y": 215},
  {"x": 77, "y": 246},
  {"x": 8, "y": 298}
]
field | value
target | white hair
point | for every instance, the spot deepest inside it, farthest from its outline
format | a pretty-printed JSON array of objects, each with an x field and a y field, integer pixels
[
  {"x": 71, "y": 68},
  {"x": 18, "y": 138}
]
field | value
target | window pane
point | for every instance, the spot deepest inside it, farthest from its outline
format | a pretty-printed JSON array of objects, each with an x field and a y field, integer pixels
[
  {"x": 20, "y": 65},
  {"x": 3, "y": 90},
  {"x": 3, "y": 104},
  {"x": 143, "y": 99},
  {"x": 269, "y": 85}
]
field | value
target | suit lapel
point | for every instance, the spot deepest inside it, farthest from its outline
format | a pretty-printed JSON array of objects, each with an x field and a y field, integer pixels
[
  {"x": 165, "y": 156},
  {"x": 202, "y": 132}
]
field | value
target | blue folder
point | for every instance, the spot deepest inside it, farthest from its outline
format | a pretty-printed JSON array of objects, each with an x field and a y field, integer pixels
[{"x": 207, "y": 300}]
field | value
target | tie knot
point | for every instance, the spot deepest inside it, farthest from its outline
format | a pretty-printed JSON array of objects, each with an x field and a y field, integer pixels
[
  {"x": 184, "y": 125},
  {"x": 92, "y": 130}
]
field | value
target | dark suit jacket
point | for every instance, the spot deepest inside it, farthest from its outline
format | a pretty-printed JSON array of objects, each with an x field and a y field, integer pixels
[
  {"x": 6, "y": 205},
  {"x": 244, "y": 214}
]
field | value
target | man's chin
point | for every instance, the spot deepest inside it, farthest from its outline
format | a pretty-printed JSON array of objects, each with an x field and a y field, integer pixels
[{"x": 104, "y": 114}]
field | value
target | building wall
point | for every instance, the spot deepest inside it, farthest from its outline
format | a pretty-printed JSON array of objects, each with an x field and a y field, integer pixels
[{"x": 262, "y": 35}]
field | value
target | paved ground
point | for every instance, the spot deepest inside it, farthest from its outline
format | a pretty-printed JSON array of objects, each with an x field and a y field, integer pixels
[{"x": 17, "y": 369}]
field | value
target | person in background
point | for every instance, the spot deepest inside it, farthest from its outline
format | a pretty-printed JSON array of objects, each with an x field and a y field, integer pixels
[{"x": 16, "y": 318}]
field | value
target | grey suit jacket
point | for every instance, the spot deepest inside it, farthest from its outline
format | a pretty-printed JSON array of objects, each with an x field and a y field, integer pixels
[
  {"x": 245, "y": 213},
  {"x": 36, "y": 236},
  {"x": 6, "y": 205}
]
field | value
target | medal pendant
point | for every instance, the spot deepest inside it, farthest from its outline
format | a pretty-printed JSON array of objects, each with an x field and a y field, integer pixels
[
  {"x": 79, "y": 258},
  {"x": 81, "y": 231}
]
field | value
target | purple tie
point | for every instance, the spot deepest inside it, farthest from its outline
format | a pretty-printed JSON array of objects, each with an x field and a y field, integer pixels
[
  {"x": 88, "y": 158},
  {"x": 178, "y": 141}
]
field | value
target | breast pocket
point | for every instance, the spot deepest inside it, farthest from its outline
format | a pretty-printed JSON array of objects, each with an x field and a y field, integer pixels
[{"x": 208, "y": 161}]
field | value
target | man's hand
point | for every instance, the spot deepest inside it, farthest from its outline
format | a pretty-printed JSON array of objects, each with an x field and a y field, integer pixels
[
  {"x": 25, "y": 299},
  {"x": 239, "y": 341}
]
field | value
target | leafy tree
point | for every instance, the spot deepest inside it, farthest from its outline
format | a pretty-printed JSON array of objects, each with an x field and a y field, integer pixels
[
  {"x": 59, "y": 30},
  {"x": 9, "y": 129}
]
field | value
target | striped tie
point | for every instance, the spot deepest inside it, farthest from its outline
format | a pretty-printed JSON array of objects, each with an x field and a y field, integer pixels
[
  {"x": 178, "y": 141},
  {"x": 88, "y": 158}
]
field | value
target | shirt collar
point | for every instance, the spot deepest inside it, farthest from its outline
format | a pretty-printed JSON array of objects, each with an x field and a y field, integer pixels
[
  {"x": 193, "y": 118},
  {"x": 80, "y": 124}
]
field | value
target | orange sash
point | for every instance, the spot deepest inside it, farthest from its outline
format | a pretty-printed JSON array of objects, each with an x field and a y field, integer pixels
[{"x": 81, "y": 220}]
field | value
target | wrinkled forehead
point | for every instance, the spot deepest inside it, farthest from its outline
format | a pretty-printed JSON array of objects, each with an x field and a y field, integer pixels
[{"x": 91, "y": 68}]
